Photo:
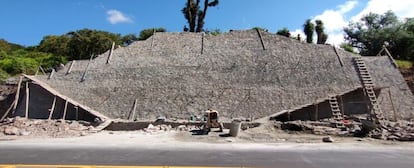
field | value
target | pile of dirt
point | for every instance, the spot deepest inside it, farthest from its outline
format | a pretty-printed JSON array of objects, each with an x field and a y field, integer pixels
[{"x": 18, "y": 127}]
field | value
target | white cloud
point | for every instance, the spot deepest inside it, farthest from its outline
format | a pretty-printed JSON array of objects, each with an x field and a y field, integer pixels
[
  {"x": 115, "y": 17},
  {"x": 296, "y": 32},
  {"x": 402, "y": 8},
  {"x": 334, "y": 21}
]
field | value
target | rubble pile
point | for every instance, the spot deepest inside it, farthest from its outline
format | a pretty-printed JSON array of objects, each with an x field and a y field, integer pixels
[
  {"x": 164, "y": 128},
  {"x": 23, "y": 127},
  {"x": 395, "y": 131}
]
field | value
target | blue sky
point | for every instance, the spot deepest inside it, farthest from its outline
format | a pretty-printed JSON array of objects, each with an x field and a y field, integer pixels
[{"x": 26, "y": 22}]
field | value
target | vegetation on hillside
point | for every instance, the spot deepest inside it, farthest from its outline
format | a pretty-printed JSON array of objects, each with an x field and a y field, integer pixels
[{"x": 375, "y": 31}]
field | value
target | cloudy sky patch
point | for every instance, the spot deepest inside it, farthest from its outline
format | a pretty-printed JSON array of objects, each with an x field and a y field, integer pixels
[{"x": 116, "y": 17}]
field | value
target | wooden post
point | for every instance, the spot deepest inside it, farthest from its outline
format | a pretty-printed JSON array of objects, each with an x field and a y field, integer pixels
[
  {"x": 288, "y": 115},
  {"x": 261, "y": 39},
  {"x": 134, "y": 107},
  {"x": 152, "y": 39},
  {"x": 70, "y": 67},
  {"x": 51, "y": 74},
  {"x": 52, "y": 109},
  {"x": 202, "y": 43},
  {"x": 108, "y": 60},
  {"x": 392, "y": 104},
  {"x": 7, "y": 112},
  {"x": 316, "y": 112},
  {"x": 86, "y": 69},
  {"x": 16, "y": 98},
  {"x": 65, "y": 109},
  {"x": 341, "y": 102},
  {"x": 26, "y": 115},
  {"x": 43, "y": 71},
  {"x": 76, "y": 113}
]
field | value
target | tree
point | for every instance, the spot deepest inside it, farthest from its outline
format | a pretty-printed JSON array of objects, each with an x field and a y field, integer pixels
[
  {"x": 321, "y": 35},
  {"x": 373, "y": 31},
  {"x": 129, "y": 39},
  {"x": 284, "y": 32},
  {"x": 308, "y": 29},
  {"x": 86, "y": 43},
  {"x": 146, "y": 33},
  {"x": 195, "y": 16},
  {"x": 57, "y": 45}
]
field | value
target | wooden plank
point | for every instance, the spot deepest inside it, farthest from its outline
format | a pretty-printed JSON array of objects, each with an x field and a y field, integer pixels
[
  {"x": 51, "y": 74},
  {"x": 26, "y": 114},
  {"x": 338, "y": 56},
  {"x": 202, "y": 43},
  {"x": 52, "y": 109},
  {"x": 7, "y": 112},
  {"x": 392, "y": 104},
  {"x": 261, "y": 39},
  {"x": 133, "y": 111},
  {"x": 70, "y": 67},
  {"x": 108, "y": 60},
  {"x": 43, "y": 71},
  {"x": 86, "y": 69},
  {"x": 16, "y": 98},
  {"x": 65, "y": 109}
]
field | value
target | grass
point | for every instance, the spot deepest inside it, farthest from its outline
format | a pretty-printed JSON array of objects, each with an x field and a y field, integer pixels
[{"x": 403, "y": 64}]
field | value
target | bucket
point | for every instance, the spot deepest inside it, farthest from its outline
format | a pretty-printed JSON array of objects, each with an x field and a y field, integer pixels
[{"x": 235, "y": 128}]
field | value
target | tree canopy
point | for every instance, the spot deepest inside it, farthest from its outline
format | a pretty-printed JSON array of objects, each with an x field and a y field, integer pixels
[
  {"x": 146, "y": 33},
  {"x": 374, "y": 31},
  {"x": 195, "y": 16},
  {"x": 320, "y": 32},
  {"x": 284, "y": 32},
  {"x": 82, "y": 44},
  {"x": 308, "y": 29}
]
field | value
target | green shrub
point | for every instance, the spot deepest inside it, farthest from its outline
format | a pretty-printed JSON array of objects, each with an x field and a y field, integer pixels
[{"x": 403, "y": 64}]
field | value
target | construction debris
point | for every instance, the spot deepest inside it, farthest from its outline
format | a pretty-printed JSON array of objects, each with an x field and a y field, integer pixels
[
  {"x": 19, "y": 126},
  {"x": 328, "y": 139}
]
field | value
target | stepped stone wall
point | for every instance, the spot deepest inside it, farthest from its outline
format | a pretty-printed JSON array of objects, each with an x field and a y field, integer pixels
[{"x": 181, "y": 74}]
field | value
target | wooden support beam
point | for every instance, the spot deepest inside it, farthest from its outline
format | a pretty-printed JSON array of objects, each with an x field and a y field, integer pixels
[
  {"x": 337, "y": 56},
  {"x": 108, "y": 60},
  {"x": 70, "y": 67},
  {"x": 152, "y": 39},
  {"x": 76, "y": 113},
  {"x": 43, "y": 71},
  {"x": 86, "y": 69},
  {"x": 7, "y": 112},
  {"x": 52, "y": 109},
  {"x": 341, "y": 105},
  {"x": 316, "y": 112},
  {"x": 26, "y": 114},
  {"x": 261, "y": 39},
  {"x": 202, "y": 43},
  {"x": 16, "y": 98},
  {"x": 133, "y": 111},
  {"x": 65, "y": 109},
  {"x": 392, "y": 104},
  {"x": 51, "y": 74}
]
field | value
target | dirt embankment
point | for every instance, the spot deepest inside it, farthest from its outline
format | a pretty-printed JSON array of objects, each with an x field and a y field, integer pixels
[{"x": 408, "y": 75}]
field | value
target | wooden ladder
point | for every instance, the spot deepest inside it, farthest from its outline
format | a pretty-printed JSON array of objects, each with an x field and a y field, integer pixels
[
  {"x": 368, "y": 85},
  {"x": 336, "y": 112}
]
